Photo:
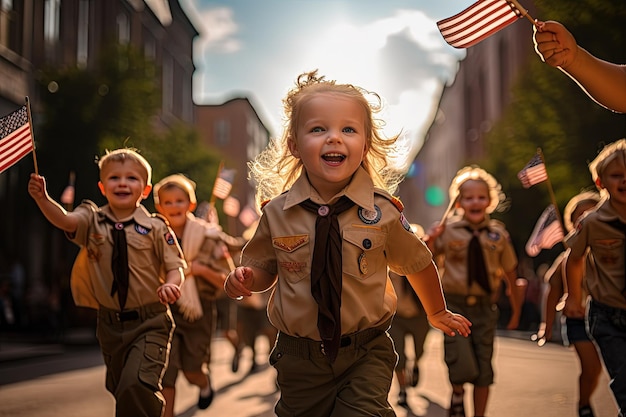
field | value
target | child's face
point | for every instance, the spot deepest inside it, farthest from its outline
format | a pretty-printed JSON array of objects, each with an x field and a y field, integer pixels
[
  {"x": 474, "y": 200},
  {"x": 174, "y": 204},
  {"x": 331, "y": 141},
  {"x": 614, "y": 180},
  {"x": 123, "y": 185}
]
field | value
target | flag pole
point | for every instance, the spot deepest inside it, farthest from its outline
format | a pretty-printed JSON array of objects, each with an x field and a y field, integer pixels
[
  {"x": 523, "y": 11},
  {"x": 450, "y": 206},
  {"x": 32, "y": 135},
  {"x": 219, "y": 171},
  {"x": 552, "y": 196}
]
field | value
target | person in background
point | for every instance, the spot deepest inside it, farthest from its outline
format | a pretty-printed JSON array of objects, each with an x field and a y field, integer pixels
[
  {"x": 195, "y": 311},
  {"x": 600, "y": 235},
  {"x": 129, "y": 268},
  {"x": 477, "y": 252},
  {"x": 604, "y": 82},
  {"x": 324, "y": 243}
]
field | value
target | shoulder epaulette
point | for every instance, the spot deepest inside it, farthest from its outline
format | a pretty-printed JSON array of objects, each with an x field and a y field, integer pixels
[
  {"x": 394, "y": 200},
  {"x": 90, "y": 203},
  {"x": 161, "y": 217}
]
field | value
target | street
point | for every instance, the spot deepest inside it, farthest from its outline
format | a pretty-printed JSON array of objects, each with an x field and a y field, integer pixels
[{"x": 530, "y": 381}]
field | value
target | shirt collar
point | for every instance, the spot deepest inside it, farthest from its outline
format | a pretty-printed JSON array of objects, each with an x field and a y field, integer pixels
[
  {"x": 360, "y": 190},
  {"x": 606, "y": 212},
  {"x": 141, "y": 216},
  {"x": 481, "y": 225}
]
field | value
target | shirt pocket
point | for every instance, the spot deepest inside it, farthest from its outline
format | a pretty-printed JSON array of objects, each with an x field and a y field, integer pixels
[
  {"x": 457, "y": 250},
  {"x": 140, "y": 249},
  {"x": 609, "y": 251},
  {"x": 363, "y": 253},
  {"x": 293, "y": 256}
]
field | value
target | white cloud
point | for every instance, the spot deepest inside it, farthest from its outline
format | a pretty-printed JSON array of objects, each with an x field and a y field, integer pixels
[{"x": 217, "y": 27}]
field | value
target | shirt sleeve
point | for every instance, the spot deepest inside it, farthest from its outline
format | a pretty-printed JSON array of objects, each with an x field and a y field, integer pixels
[{"x": 259, "y": 251}]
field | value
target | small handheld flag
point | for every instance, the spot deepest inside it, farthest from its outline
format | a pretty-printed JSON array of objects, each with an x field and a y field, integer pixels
[
  {"x": 15, "y": 138},
  {"x": 534, "y": 172},
  {"x": 479, "y": 21},
  {"x": 224, "y": 183},
  {"x": 547, "y": 232}
]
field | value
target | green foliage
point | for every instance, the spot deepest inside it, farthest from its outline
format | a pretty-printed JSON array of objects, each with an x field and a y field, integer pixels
[{"x": 550, "y": 111}]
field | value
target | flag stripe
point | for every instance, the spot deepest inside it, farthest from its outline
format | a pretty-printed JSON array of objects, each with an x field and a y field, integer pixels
[
  {"x": 533, "y": 173},
  {"x": 547, "y": 232},
  {"x": 477, "y": 22},
  {"x": 222, "y": 188},
  {"x": 16, "y": 142}
]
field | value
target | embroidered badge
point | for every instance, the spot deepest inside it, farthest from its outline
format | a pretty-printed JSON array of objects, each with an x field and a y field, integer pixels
[
  {"x": 292, "y": 266},
  {"x": 169, "y": 238},
  {"x": 370, "y": 216},
  {"x": 141, "y": 230},
  {"x": 363, "y": 263},
  {"x": 405, "y": 223},
  {"x": 290, "y": 243},
  {"x": 493, "y": 235}
]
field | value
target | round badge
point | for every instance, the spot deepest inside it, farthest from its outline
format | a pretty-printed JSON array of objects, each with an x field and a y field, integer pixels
[
  {"x": 119, "y": 226},
  {"x": 370, "y": 216},
  {"x": 323, "y": 211}
]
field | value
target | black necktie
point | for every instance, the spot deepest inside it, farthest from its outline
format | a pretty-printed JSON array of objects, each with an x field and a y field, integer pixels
[
  {"x": 119, "y": 261},
  {"x": 326, "y": 272},
  {"x": 476, "y": 268},
  {"x": 617, "y": 224}
]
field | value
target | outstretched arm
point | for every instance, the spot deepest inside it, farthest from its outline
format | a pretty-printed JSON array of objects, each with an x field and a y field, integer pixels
[
  {"x": 574, "y": 276},
  {"x": 603, "y": 81},
  {"x": 52, "y": 210},
  {"x": 427, "y": 286}
]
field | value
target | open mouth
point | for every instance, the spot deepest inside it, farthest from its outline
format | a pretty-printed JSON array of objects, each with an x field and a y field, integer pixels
[{"x": 333, "y": 157}]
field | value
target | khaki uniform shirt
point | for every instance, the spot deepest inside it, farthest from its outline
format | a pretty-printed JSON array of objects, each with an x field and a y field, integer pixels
[
  {"x": 152, "y": 250},
  {"x": 606, "y": 246},
  {"x": 453, "y": 244},
  {"x": 375, "y": 236}
]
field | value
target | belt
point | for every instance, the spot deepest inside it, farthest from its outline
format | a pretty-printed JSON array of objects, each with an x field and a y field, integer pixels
[
  {"x": 469, "y": 300},
  {"x": 305, "y": 348},
  {"x": 143, "y": 312},
  {"x": 607, "y": 309}
]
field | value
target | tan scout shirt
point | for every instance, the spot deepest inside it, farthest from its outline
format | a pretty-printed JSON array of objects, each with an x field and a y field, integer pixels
[
  {"x": 375, "y": 236},
  {"x": 453, "y": 243},
  {"x": 152, "y": 250},
  {"x": 606, "y": 245}
]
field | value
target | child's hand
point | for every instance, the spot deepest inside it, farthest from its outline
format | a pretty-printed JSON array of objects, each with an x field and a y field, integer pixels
[
  {"x": 450, "y": 323},
  {"x": 168, "y": 293},
  {"x": 573, "y": 309},
  {"x": 37, "y": 187},
  {"x": 436, "y": 230},
  {"x": 238, "y": 283}
]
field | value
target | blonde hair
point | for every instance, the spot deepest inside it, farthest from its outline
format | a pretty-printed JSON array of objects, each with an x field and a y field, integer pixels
[
  {"x": 607, "y": 155},
  {"x": 126, "y": 154},
  {"x": 276, "y": 169},
  {"x": 591, "y": 197},
  {"x": 475, "y": 173},
  {"x": 175, "y": 181}
]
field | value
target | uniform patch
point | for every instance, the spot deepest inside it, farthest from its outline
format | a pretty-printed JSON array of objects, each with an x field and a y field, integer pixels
[
  {"x": 370, "y": 216},
  {"x": 363, "y": 263},
  {"x": 141, "y": 230},
  {"x": 169, "y": 238},
  {"x": 292, "y": 266},
  {"x": 405, "y": 223},
  {"x": 495, "y": 236},
  {"x": 290, "y": 243}
]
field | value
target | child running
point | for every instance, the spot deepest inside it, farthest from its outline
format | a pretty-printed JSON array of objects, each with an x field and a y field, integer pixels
[
  {"x": 129, "y": 268},
  {"x": 600, "y": 234},
  {"x": 324, "y": 244},
  {"x": 477, "y": 253}
]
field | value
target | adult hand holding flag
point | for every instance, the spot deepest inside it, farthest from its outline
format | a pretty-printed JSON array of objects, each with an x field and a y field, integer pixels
[
  {"x": 15, "y": 138},
  {"x": 547, "y": 232},
  {"x": 479, "y": 21}
]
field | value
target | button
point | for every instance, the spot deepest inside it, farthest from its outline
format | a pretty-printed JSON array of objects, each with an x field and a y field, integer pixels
[
  {"x": 367, "y": 243},
  {"x": 323, "y": 211}
]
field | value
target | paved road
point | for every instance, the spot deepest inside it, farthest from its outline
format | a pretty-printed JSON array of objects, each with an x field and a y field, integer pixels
[{"x": 530, "y": 381}]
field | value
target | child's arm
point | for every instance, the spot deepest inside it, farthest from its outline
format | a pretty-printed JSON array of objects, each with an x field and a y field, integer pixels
[
  {"x": 214, "y": 277},
  {"x": 244, "y": 280},
  {"x": 603, "y": 81},
  {"x": 516, "y": 298},
  {"x": 55, "y": 214},
  {"x": 433, "y": 233},
  {"x": 427, "y": 286},
  {"x": 170, "y": 291},
  {"x": 554, "y": 293},
  {"x": 574, "y": 276}
]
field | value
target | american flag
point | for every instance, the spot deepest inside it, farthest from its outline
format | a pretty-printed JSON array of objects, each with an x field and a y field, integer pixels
[
  {"x": 248, "y": 216},
  {"x": 547, "y": 232},
  {"x": 224, "y": 183},
  {"x": 477, "y": 22},
  {"x": 534, "y": 172},
  {"x": 15, "y": 138}
]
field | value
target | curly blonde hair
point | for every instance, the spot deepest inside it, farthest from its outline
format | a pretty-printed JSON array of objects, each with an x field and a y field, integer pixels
[
  {"x": 474, "y": 172},
  {"x": 275, "y": 169}
]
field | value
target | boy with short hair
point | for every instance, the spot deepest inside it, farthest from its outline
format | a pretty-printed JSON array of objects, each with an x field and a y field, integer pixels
[{"x": 129, "y": 268}]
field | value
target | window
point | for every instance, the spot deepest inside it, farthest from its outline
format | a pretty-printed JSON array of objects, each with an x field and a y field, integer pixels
[
  {"x": 82, "y": 46},
  {"x": 123, "y": 29},
  {"x": 51, "y": 22},
  {"x": 222, "y": 132}
]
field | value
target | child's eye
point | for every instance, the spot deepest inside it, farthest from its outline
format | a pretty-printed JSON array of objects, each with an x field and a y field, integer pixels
[
  {"x": 317, "y": 129},
  {"x": 349, "y": 130}
]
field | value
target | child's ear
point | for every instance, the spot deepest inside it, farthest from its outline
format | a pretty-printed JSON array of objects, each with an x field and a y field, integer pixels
[
  {"x": 101, "y": 187},
  {"x": 146, "y": 192},
  {"x": 293, "y": 148},
  {"x": 599, "y": 183},
  {"x": 192, "y": 206}
]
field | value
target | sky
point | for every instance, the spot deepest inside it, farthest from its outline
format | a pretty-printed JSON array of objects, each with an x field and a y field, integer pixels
[{"x": 257, "y": 48}]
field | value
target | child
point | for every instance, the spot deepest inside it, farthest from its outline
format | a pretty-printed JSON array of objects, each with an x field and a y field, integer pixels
[
  {"x": 195, "y": 311},
  {"x": 324, "y": 246},
  {"x": 604, "y": 82},
  {"x": 471, "y": 284},
  {"x": 590, "y": 365},
  {"x": 601, "y": 233},
  {"x": 130, "y": 284}
]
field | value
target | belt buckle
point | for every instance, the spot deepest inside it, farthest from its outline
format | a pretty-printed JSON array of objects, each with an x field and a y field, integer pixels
[{"x": 471, "y": 300}]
